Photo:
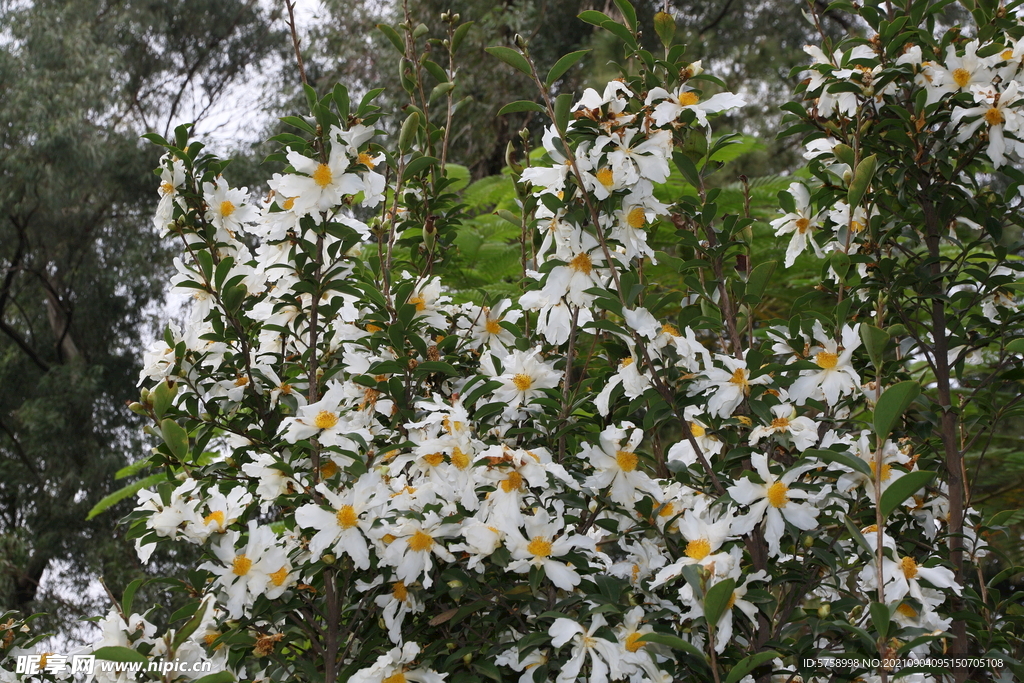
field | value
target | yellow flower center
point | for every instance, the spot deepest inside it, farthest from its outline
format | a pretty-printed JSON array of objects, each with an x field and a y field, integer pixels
[
  {"x": 420, "y": 541},
  {"x": 627, "y": 461},
  {"x": 280, "y": 576},
  {"x": 886, "y": 470},
  {"x": 434, "y": 459},
  {"x": 698, "y": 549},
  {"x": 961, "y": 76},
  {"x": 241, "y": 565},
  {"x": 323, "y": 176},
  {"x": 288, "y": 204},
  {"x": 777, "y": 497},
  {"x": 166, "y": 187},
  {"x": 522, "y": 382},
  {"x": 399, "y": 590},
  {"x": 388, "y": 539},
  {"x": 994, "y": 116},
  {"x": 826, "y": 360},
  {"x": 582, "y": 263},
  {"x": 366, "y": 160},
  {"x": 325, "y": 420},
  {"x": 328, "y": 469},
  {"x": 241, "y": 381},
  {"x": 226, "y": 208},
  {"x": 460, "y": 459},
  {"x": 396, "y": 678},
  {"x": 907, "y": 611},
  {"x": 739, "y": 378},
  {"x": 493, "y": 326},
  {"x": 605, "y": 177},
  {"x": 514, "y": 482},
  {"x": 688, "y": 98},
  {"x": 539, "y": 547},
  {"x": 856, "y": 226},
  {"x": 346, "y": 517},
  {"x": 732, "y": 601},
  {"x": 909, "y": 567},
  {"x": 631, "y": 641},
  {"x": 371, "y": 328},
  {"x": 626, "y": 362},
  {"x": 636, "y": 217},
  {"x": 781, "y": 424},
  {"x": 670, "y": 330},
  {"x": 1006, "y": 54},
  {"x": 215, "y": 516},
  {"x": 667, "y": 510},
  {"x": 419, "y": 303}
]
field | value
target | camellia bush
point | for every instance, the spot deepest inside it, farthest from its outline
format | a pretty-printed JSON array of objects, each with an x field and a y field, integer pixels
[{"x": 604, "y": 477}]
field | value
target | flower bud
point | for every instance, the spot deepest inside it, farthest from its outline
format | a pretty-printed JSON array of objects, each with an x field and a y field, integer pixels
[
  {"x": 519, "y": 41},
  {"x": 824, "y": 610},
  {"x": 328, "y": 559},
  {"x": 467, "y": 659}
]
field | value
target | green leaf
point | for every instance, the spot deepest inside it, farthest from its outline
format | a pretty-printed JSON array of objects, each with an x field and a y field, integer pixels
[
  {"x": 1015, "y": 346},
  {"x": 219, "y": 677},
  {"x": 686, "y": 167},
  {"x": 510, "y": 57},
  {"x": 674, "y": 642},
  {"x": 341, "y": 100},
  {"x": 562, "y": 104},
  {"x": 880, "y": 616},
  {"x": 748, "y": 664},
  {"x": 861, "y": 180},
  {"x": 393, "y": 36},
  {"x": 628, "y": 13},
  {"x": 418, "y": 165},
  {"x": 563, "y": 65},
  {"x": 891, "y": 405},
  {"x": 175, "y": 437},
  {"x": 665, "y": 27},
  {"x": 298, "y": 122},
  {"x": 116, "y": 653},
  {"x": 460, "y": 35},
  {"x": 131, "y": 470},
  {"x": 408, "y": 132},
  {"x": 875, "y": 340},
  {"x": 901, "y": 489},
  {"x": 717, "y": 600},
  {"x": 757, "y": 281},
  {"x": 521, "y": 105},
  {"x": 594, "y": 17},
  {"x": 119, "y": 495},
  {"x": 163, "y": 395},
  {"x": 842, "y": 458},
  {"x": 190, "y": 626},
  {"x": 845, "y": 154},
  {"x": 129, "y": 594},
  {"x": 1001, "y": 518},
  {"x": 856, "y": 534}
]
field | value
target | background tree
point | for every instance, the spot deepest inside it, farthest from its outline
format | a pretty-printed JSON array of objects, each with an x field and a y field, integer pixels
[{"x": 82, "y": 272}]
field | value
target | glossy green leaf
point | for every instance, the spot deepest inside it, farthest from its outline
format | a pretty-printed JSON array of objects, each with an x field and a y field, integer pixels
[
  {"x": 114, "y": 498},
  {"x": 116, "y": 653},
  {"x": 748, "y": 664},
  {"x": 891, "y": 405},
  {"x": 901, "y": 489},
  {"x": 175, "y": 437},
  {"x": 563, "y": 65},
  {"x": 521, "y": 105},
  {"x": 717, "y": 600},
  {"x": 861, "y": 181},
  {"x": 511, "y": 57}
]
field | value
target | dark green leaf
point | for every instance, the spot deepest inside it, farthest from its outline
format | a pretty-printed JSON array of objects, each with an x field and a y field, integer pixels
[
  {"x": 891, "y": 405},
  {"x": 901, "y": 489},
  {"x": 563, "y": 65},
  {"x": 510, "y": 57}
]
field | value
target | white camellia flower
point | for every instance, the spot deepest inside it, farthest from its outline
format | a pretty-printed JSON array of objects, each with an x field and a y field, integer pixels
[
  {"x": 414, "y": 544},
  {"x": 773, "y": 499},
  {"x": 802, "y": 430},
  {"x": 704, "y": 535},
  {"x": 395, "y": 666},
  {"x": 731, "y": 385},
  {"x": 541, "y": 544},
  {"x": 801, "y": 223},
  {"x": 322, "y": 185},
  {"x": 996, "y": 111},
  {"x": 615, "y": 464},
  {"x": 227, "y": 208},
  {"x": 684, "y": 98},
  {"x": 242, "y": 575},
  {"x": 525, "y": 378},
  {"x": 342, "y": 528},
  {"x": 836, "y": 377},
  {"x": 605, "y": 656}
]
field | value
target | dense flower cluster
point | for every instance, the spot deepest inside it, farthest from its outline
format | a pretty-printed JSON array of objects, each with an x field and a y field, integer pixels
[{"x": 404, "y": 487}]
